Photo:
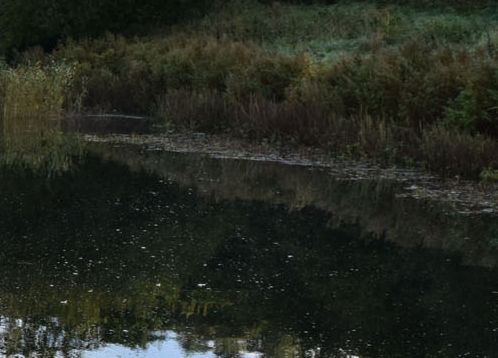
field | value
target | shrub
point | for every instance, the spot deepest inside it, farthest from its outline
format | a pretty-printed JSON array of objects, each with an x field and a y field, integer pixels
[
  {"x": 416, "y": 83},
  {"x": 268, "y": 75},
  {"x": 194, "y": 111},
  {"x": 451, "y": 152},
  {"x": 462, "y": 113},
  {"x": 108, "y": 68}
]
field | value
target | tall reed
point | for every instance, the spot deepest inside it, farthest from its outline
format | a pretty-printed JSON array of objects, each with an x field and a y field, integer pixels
[{"x": 31, "y": 111}]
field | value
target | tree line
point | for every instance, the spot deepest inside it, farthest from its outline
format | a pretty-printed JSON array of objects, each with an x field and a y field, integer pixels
[{"x": 25, "y": 23}]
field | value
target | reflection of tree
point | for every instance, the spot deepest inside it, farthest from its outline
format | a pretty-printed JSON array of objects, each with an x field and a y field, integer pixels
[{"x": 114, "y": 255}]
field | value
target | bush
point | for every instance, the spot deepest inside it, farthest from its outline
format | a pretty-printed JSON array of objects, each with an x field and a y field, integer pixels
[
  {"x": 462, "y": 112},
  {"x": 107, "y": 69},
  {"x": 195, "y": 111},
  {"x": 451, "y": 152}
]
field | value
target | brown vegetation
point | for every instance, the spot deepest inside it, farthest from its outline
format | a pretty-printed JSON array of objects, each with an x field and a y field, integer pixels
[{"x": 386, "y": 83}]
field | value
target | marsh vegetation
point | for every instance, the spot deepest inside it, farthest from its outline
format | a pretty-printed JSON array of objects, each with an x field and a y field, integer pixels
[{"x": 397, "y": 83}]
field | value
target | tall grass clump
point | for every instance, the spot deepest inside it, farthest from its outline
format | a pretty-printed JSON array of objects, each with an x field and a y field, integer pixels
[
  {"x": 32, "y": 107},
  {"x": 451, "y": 152}
]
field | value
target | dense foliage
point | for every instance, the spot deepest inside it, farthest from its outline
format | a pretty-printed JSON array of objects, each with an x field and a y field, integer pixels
[{"x": 25, "y": 23}]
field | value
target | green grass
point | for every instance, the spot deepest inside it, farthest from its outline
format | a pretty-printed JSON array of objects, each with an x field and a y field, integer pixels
[{"x": 391, "y": 83}]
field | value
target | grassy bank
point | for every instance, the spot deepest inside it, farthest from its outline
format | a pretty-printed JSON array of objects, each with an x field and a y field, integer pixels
[{"x": 395, "y": 84}]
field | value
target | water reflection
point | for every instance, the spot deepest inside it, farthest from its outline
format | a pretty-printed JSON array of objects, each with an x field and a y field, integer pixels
[
  {"x": 105, "y": 261},
  {"x": 168, "y": 345},
  {"x": 385, "y": 207}
]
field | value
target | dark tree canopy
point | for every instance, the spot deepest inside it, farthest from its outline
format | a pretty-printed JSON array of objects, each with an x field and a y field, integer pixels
[{"x": 25, "y": 23}]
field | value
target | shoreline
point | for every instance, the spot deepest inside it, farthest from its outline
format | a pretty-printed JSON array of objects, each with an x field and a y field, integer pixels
[{"x": 466, "y": 197}]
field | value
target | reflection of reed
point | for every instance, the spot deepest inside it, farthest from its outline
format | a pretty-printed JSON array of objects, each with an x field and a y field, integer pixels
[
  {"x": 31, "y": 118},
  {"x": 201, "y": 307}
]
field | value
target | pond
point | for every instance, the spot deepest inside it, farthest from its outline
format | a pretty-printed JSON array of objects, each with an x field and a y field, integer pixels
[{"x": 138, "y": 253}]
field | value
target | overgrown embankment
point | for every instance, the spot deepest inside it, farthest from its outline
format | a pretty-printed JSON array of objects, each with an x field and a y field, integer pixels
[{"x": 395, "y": 84}]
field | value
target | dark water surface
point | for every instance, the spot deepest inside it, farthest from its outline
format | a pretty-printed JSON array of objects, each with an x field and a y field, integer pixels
[{"x": 176, "y": 255}]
